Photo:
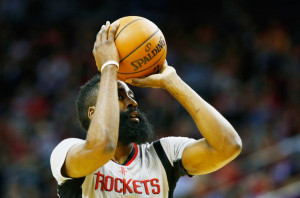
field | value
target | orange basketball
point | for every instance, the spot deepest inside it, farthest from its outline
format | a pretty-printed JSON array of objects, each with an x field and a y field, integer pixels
[{"x": 142, "y": 47}]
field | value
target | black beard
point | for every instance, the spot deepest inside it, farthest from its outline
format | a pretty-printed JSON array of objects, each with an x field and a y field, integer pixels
[{"x": 134, "y": 132}]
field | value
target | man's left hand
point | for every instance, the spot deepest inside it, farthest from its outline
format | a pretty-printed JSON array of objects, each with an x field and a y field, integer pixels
[{"x": 155, "y": 80}]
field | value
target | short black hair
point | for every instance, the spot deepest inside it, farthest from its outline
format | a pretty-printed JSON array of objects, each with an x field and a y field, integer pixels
[{"x": 86, "y": 98}]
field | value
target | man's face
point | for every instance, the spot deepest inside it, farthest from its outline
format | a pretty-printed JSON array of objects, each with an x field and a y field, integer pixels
[
  {"x": 126, "y": 98},
  {"x": 134, "y": 125}
]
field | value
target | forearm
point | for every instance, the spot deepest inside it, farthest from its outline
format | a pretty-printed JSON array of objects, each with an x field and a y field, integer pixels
[
  {"x": 217, "y": 131},
  {"x": 103, "y": 131}
]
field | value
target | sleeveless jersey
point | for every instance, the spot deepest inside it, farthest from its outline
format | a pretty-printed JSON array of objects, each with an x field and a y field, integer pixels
[{"x": 151, "y": 170}]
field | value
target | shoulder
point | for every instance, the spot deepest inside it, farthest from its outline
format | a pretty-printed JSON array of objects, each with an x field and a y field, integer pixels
[
  {"x": 66, "y": 144},
  {"x": 59, "y": 154},
  {"x": 174, "y": 146},
  {"x": 62, "y": 148},
  {"x": 172, "y": 140}
]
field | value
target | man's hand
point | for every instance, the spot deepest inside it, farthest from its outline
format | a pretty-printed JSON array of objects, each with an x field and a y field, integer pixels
[
  {"x": 155, "y": 80},
  {"x": 105, "y": 48},
  {"x": 102, "y": 135}
]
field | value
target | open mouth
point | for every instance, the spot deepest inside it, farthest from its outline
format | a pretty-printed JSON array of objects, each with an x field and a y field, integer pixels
[{"x": 134, "y": 116}]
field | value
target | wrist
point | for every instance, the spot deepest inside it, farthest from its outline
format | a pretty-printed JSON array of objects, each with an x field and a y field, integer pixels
[
  {"x": 171, "y": 81},
  {"x": 110, "y": 69},
  {"x": 110, "y": 63}
]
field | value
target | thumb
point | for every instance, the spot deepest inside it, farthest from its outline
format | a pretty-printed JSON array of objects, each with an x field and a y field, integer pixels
[{"x": 141, "y": 82}]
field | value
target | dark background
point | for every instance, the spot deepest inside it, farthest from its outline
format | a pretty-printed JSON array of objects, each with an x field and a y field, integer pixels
[{"x": 243, "y": 57}]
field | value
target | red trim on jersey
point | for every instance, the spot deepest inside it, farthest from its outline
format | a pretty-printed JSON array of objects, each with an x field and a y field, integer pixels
[{"x": 135, "y": 154}]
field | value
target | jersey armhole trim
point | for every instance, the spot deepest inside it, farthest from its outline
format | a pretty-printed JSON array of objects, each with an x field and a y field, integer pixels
[{"x": 167, "y": 165}]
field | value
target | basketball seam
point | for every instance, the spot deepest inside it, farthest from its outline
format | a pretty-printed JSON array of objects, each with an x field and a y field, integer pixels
[
  {"x": 140, "y": 45},
  {"x": 126, "y": 26},
  {"x": 147, "y": 67}
]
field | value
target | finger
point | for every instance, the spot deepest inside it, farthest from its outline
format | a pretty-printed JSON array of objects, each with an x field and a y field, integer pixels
[
  {"x": 96, "y": 46},
  {"x": 98, "y": 34},
  {"x": 166, "y": 63},
  {"x": 164, "y": 67},
  {"x": 132, "y": 80},
  {"x": 113, "y": 30},
  {"x": 98, "y": 37},
  {"x": 107, "y": 25},
  {"x": 104, "y": 33},
  {"x": 140, "y": 82}
]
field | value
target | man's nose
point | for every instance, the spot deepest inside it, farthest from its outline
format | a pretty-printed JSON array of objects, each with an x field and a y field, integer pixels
[{"x": 131, "y": 103}]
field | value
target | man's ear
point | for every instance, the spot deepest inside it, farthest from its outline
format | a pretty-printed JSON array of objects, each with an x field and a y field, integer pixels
[{"x": 91, "y": 111}]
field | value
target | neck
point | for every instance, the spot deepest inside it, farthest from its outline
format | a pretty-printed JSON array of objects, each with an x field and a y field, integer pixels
[{"x": 122, "y": 152}]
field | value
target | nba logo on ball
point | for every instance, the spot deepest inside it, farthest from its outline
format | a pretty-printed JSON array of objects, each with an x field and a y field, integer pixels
[{"x": 142, "y": 47}]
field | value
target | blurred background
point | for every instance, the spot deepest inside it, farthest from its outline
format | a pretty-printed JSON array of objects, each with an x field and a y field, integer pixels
[{"x": 243, "y": 57}]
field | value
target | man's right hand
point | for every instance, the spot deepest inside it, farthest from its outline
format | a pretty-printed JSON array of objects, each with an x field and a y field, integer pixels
[{"x": 105, "y": 48}]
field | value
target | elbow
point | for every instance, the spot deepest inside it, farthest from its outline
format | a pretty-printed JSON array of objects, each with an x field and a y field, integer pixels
[
  {"x": 102, "y": 151},
  {"x": 234, "y": 148},
  {"x": 237, "y": 148},
  {"x": 110, "y": 143},
  {"x": 238, "y": 144},
  {"x": 110, "y": 148},
  {"x": 104, "y": 144}
]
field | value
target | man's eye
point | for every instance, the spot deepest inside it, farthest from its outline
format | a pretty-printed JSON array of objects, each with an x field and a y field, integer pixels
[{"x": 121, "y": 97}]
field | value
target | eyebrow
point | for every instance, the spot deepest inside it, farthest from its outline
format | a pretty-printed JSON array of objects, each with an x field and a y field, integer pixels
[{"x": 123, "y": 89}]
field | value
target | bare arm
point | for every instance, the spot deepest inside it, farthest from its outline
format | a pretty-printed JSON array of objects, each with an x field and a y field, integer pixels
[
  {"x": 220, "y": 144},
  {"x": 102, "y": 135}
]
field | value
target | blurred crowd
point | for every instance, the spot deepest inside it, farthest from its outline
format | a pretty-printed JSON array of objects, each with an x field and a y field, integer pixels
[{"x": 241, "y": 57}]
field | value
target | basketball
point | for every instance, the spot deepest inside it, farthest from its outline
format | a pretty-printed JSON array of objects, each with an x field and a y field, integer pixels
[{"x": 142, "y": 47}]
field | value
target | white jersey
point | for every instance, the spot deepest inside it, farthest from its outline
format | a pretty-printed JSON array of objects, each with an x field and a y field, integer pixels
[{"x": 149, "y": 171}]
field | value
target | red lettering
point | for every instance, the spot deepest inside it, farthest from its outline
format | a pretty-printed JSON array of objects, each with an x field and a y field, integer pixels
[
  {"x": 135, "y": 186},
  {"x": 111, "y": 183},
  {"x": 146, "y": 186},
  {"x": 125, "y": 186},
  {"x": 157, "y": 191},
  {"x": 116, "y": 185},
  {"x": 99, "y": 181}
]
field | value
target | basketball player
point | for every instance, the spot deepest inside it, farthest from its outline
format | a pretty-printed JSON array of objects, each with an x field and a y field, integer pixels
[{"x": 115, "y": 159}]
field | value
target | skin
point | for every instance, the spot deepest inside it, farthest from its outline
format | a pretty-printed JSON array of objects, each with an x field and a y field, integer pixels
[
  {"x": 126, "y": 100},
  {"x": 220, "y": 145}
]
